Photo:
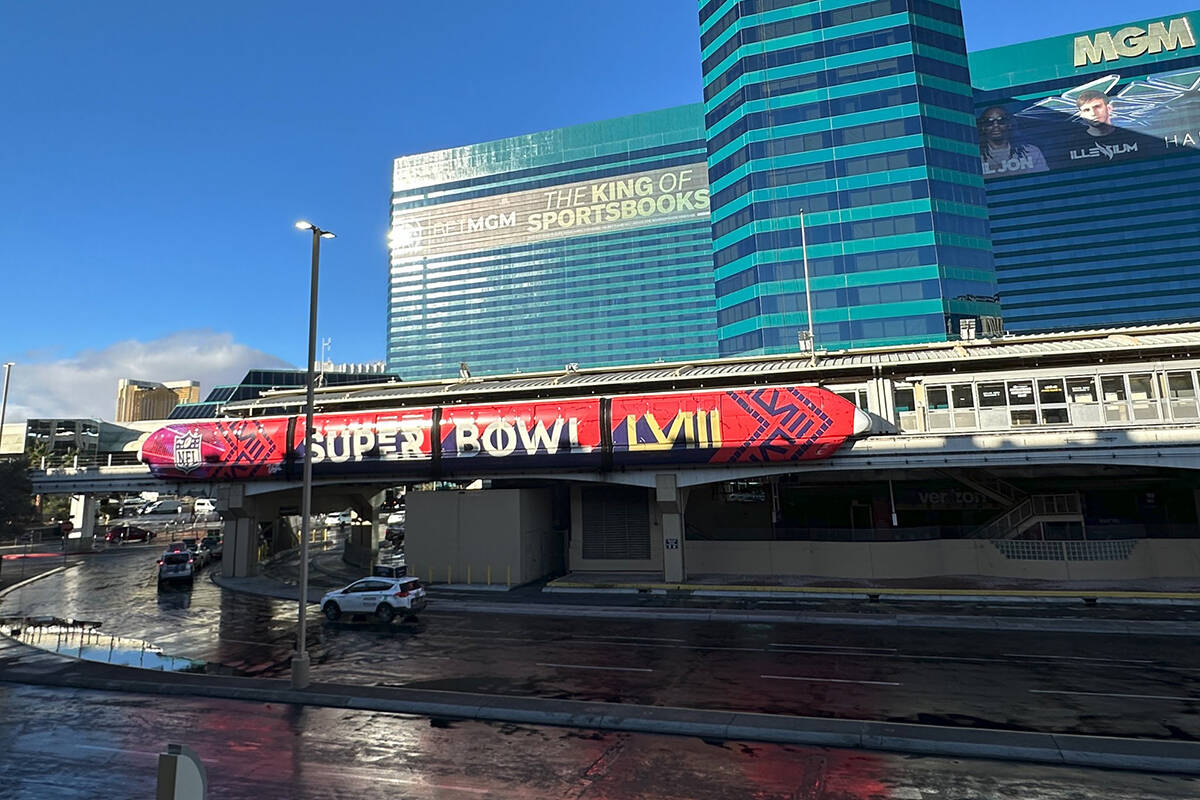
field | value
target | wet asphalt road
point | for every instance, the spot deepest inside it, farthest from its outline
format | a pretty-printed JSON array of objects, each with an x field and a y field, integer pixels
[
  {"x": 1079, "y": 683},
  {"x": 73, "y": 744}
]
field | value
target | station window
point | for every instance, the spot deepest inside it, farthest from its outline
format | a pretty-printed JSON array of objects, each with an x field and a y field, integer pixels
[
  {"x": 991, "y": 395},
  {"x": 1181, "y": 394},
  {"x": 1082, "y": 390},
  {"x": 1020, "y": 393},
  {"x": 963, "y": 397},
  {"x": 1112, "y": 389},
  {"x": 907, "y": 415},
  {"x": 1143, "y": 398},
  {"x": 937, "y": 408}
]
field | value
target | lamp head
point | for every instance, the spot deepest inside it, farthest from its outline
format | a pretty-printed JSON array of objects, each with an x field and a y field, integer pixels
[
  {"x": 328, "y": 235},
  {"x": 304, "y": 225}
]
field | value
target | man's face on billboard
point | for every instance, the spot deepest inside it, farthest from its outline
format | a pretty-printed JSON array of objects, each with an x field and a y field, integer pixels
[
  {"x": 995, "y": 126},
  {"x": 1096, "y": 111}
]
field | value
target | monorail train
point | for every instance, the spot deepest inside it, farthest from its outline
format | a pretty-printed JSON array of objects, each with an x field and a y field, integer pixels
[{"x": 758, "y": 425}]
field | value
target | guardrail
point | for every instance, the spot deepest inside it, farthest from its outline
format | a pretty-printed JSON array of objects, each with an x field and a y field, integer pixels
[{"x": 86, "y": 462}]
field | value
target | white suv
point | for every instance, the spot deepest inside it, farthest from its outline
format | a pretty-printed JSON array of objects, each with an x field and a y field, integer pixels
[{"x": 383, "y": 597}]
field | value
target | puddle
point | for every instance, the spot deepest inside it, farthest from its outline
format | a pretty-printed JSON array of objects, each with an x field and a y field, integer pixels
[{"x": 82, "y": 640}]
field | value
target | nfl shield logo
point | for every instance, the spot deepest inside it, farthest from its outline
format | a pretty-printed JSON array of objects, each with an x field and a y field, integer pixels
[{"x": 187, "y": 451}]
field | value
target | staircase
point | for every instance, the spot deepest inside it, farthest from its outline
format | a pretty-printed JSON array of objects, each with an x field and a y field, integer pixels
[
  {"x": 1033, "y": 510},
  {"x": 1023, "y": 510},
  {"x": 988, "y": 484}
]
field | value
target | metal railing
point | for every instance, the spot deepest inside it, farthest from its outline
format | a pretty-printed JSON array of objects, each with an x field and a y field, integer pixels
[
  {"x": 97, "y": 461},
  {"x": 1011, "y": 522},
  {"x": 1066, "y": 550}
]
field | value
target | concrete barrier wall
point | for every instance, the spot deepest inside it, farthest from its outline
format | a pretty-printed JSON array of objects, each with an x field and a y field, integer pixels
[
  {"x": 495, "y": 536},
  {"x": 1151, "y": 558}
]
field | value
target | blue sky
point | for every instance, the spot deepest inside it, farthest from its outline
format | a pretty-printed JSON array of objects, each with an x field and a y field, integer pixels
[{"x": 155, "y": 155}]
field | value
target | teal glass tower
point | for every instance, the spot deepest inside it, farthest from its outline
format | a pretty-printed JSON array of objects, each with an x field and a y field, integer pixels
[
  {"x": 859, "y": 114},
  {"x": 588, "y": 245}
]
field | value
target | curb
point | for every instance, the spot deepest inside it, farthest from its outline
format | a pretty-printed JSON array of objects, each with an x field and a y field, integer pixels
[
  {"x": 873, "y": 593},
  {"x": 1141, "y": 755},
  {"x": 33, "y": 578},
  {"x": 943, "y": 621}
]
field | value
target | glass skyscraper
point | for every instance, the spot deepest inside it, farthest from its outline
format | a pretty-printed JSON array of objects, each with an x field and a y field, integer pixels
[
  {"x": 1090, "y": 147},
  {"x": 587, "y": 245},
  {"x": 860, "y": 114}
]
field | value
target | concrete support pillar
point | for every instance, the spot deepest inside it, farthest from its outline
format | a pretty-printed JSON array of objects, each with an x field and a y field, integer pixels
[
  {"x": 83, "y": 524},
  {"x": 670, "y": 506},
  {"x": 362, "y": 541},
  {"x": 239, "y": 557}
]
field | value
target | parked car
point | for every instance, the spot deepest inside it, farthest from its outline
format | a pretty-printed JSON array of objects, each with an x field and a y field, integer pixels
[
  {"x": 383, "y": 597},
  {"x": 214, "y": 545},
  {"x": 128, "y": 533},
  {"x": 339, "y": 518},
  {"x": 164, "y": 509},
  {"x": 131, "y": 507},
  {"x": 205, "y": 508},
  {"x": 176, "y": 565}
]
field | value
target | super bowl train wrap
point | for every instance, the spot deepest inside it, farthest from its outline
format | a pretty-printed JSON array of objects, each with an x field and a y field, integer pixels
[{"x": 770, "y": 424}]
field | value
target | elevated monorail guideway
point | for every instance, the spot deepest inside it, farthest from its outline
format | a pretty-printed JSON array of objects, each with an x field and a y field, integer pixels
[{"x": 766, "y": 425}]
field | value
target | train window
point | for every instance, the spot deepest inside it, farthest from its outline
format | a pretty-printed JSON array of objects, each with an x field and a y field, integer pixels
[
  {"x": 856, "y": 396},
  {"x": 1082, "y": 390},
  {"x": 1020, "y": 393},
  {"x": 991, "y": 395},
  {"x": 1181, "y": 391}
]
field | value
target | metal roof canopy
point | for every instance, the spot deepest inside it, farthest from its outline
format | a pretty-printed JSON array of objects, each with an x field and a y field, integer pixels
[{"x": 1131, "y": 344}]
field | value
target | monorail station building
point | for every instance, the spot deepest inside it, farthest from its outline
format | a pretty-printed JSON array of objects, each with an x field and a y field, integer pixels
[{"x": 1057, "y": 457}]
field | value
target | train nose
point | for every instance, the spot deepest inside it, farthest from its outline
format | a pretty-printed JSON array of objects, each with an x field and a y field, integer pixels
[{"x": 863, "y": 424}]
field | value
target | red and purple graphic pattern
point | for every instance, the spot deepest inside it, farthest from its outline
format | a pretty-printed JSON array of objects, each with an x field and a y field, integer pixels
[{"x": 744, "y": 426}]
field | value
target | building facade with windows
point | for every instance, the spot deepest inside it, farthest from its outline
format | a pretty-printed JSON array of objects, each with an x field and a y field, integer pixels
[
  {"x": 143, "y": 400},
  {"x": 1090, "y": 149},
  {"x": 911, "y": 161},
  {"x": 860, "y": 116},
  {"x": 585, "y": 245}
]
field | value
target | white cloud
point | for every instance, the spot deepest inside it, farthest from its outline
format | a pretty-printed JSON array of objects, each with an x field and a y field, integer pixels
[{"x": 85, "y": 384}]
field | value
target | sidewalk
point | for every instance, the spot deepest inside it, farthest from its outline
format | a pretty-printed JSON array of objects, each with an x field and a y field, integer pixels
[
  {"x": 24, "y": 664},
  {"x": 620, "y": 595}
]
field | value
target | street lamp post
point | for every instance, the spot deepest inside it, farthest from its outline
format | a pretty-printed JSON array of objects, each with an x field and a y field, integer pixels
[
  {"x": 8, "y": 365},
  {"x": 300, "y": 661},
  {"x": 812, "y": 341}
]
